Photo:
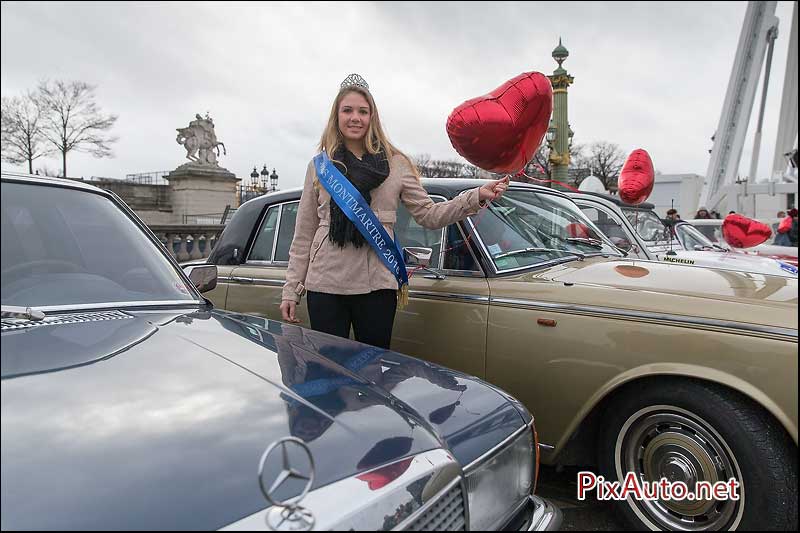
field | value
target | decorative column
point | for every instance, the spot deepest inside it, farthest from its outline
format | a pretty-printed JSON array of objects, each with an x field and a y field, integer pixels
[{"x": 559, "y": 130}]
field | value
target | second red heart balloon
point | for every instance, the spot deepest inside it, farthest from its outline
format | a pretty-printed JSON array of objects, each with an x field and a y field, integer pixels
[
  {"x": 500, "y": 131},
  {"x": 637, "y": 178}
]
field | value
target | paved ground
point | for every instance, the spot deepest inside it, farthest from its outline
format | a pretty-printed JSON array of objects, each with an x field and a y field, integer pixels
[{"x": 588, "y": 515}]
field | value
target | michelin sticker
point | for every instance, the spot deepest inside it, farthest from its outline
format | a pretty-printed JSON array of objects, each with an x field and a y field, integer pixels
[{"x": 669, "y": 259}]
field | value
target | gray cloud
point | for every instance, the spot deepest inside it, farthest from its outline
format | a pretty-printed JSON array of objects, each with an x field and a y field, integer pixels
[{"x": 649, "y": 75}]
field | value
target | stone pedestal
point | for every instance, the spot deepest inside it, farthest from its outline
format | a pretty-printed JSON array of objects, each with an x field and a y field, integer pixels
[{"x": 201, "y": 189}]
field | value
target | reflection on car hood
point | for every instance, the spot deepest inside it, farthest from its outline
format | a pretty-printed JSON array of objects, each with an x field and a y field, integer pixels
[
  {"x": 161, "y": 423},
  {"x": 663, "y": 288}
]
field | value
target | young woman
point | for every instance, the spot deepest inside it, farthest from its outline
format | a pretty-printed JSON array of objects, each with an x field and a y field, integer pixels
[{"x": 345, "y": 281}]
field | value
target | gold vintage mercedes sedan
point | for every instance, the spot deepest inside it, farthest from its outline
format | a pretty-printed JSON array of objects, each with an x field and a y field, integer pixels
[{"x": 662, "y": 370}]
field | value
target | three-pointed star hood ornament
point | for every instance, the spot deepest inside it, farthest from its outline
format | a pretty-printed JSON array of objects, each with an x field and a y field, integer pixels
[{"x": 297, "y": 467}]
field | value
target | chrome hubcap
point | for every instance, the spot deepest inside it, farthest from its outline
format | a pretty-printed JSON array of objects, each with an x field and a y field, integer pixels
[{"x": 671, "y": 443}]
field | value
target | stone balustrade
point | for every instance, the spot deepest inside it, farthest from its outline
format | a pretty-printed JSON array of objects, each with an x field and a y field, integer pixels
[{"x": 188, "y": 242}]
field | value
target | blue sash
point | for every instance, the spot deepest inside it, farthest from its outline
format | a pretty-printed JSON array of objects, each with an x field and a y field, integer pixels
[{"x": 358, "y": 211}]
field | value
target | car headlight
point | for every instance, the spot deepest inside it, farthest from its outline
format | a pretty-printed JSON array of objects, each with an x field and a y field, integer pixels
[{"x": 501, "y": 482}]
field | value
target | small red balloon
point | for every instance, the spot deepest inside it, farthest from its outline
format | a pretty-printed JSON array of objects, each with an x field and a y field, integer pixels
[
  {"x": 637, "y": 178},
  {"x": 501, "y": 131},
  {"x": 742, "y": 232},
  {"x": 578, "y": 230}
]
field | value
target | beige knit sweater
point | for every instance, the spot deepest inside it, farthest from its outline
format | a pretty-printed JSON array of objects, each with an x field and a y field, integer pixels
[{"x": 316, "y": 264}]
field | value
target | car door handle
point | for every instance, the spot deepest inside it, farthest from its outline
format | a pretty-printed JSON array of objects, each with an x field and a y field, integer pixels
[{"x": 236, "y": 279}]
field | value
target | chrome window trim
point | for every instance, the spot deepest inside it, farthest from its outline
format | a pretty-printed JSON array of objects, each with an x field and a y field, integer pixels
[
  {"x": 463, "y": 273},
  {"x": 258, "y": 262},
  {"x": 482, "y": 245},
  {"x": 277, "y": 232},
  {"x": 466, "y": 273},
  {"x": 477, "y": 463},
  {"x": 262, "y": 218},
  {"x": 663, "y": 318},
  {"x": 443, "y": 238}
]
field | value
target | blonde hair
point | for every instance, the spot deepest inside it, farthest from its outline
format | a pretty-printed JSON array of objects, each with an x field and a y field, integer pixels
[{"x": 375, "y": 138}]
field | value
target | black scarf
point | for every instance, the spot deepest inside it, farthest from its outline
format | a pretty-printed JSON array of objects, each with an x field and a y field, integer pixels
[{"x": 365, "y": 174}]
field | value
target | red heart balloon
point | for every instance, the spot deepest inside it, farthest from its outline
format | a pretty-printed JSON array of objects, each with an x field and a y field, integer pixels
[
  {"x": 742, "y": 232},
  {"x": 500, "y": 131},
  {"x": 637, "y": 178},
  {"x": 578, "y": 230}
]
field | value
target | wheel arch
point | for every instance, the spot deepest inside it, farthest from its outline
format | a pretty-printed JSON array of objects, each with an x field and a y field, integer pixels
[{"x": 576, "y": 446}]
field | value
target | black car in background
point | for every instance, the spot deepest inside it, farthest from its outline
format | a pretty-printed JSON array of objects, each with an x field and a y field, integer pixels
[{"x": 129, "y": 402}]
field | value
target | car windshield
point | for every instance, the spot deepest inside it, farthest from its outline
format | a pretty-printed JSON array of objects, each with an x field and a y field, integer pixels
[
  {"x": 66, "y": 247},
  {"x": 691, "y": 238},
  {"x": 525, "y": 228},
  {"x": 647, "y": 224}
]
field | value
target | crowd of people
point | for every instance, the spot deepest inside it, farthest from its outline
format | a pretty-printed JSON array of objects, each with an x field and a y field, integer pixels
[{"x": 785, "y": 230}]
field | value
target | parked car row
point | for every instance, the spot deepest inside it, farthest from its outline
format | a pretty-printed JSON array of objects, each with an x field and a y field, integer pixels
[
  {"x": 129, "y": 401},
  {"x": 629, "y": 364},
  {"x": 638, "y": 231}
]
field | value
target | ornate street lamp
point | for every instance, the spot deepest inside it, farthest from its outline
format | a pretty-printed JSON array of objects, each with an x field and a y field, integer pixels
[
  {"x": 560, "y": 138},
  {"x": 254, "y": 177},
  {"x": 264, "y": 177},
  {"x": 273, "y": 180}
]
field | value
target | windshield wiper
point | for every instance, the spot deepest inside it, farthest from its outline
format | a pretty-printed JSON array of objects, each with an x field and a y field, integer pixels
[
  {"x": 13, "y": 311},
  {"x": 594, "y": 243},
  {"x": 579, "y": 255}
]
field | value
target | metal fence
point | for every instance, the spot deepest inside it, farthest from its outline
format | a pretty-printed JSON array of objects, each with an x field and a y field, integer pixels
[{"x": 149, "y": 178}]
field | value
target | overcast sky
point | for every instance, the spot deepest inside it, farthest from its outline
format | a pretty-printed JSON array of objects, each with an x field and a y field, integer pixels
[{"x": 647, "y": 75}]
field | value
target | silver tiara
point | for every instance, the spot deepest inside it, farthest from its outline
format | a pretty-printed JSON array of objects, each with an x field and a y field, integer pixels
[{"x": 354, "y": 80}]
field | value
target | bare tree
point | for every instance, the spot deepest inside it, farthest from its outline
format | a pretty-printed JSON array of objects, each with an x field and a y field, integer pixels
[
  {"x": 22, "y": 137},
  {"x": 605, "y": 160},
  {"x": 74, "y": 121},
  {"x": 435, "y": 168}
]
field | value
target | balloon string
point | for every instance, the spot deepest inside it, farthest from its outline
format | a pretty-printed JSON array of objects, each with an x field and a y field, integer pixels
[{"x": 522, "y": 173}]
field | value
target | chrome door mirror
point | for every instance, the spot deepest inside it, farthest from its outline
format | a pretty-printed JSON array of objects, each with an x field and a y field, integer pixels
[
  {"x": 204, "y": 277},
  {"x": 415, "y": 256}
]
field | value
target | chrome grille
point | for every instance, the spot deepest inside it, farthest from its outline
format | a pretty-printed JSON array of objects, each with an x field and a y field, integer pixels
[
  {"x": 448, "y": 513},
  {"x": 9, "y": 324}
]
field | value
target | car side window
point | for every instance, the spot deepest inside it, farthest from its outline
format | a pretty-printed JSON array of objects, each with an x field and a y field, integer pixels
[
  {"x": 286, "y": 231},
  {"x": 457, "y": 255},
  {"x": 606, "y": 223},
  {"x": 408, "y": 233},
  {"x": 265, "y": 241}
]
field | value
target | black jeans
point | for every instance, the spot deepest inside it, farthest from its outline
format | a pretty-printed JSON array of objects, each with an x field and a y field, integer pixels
[{"x": 371, "y": 315}]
